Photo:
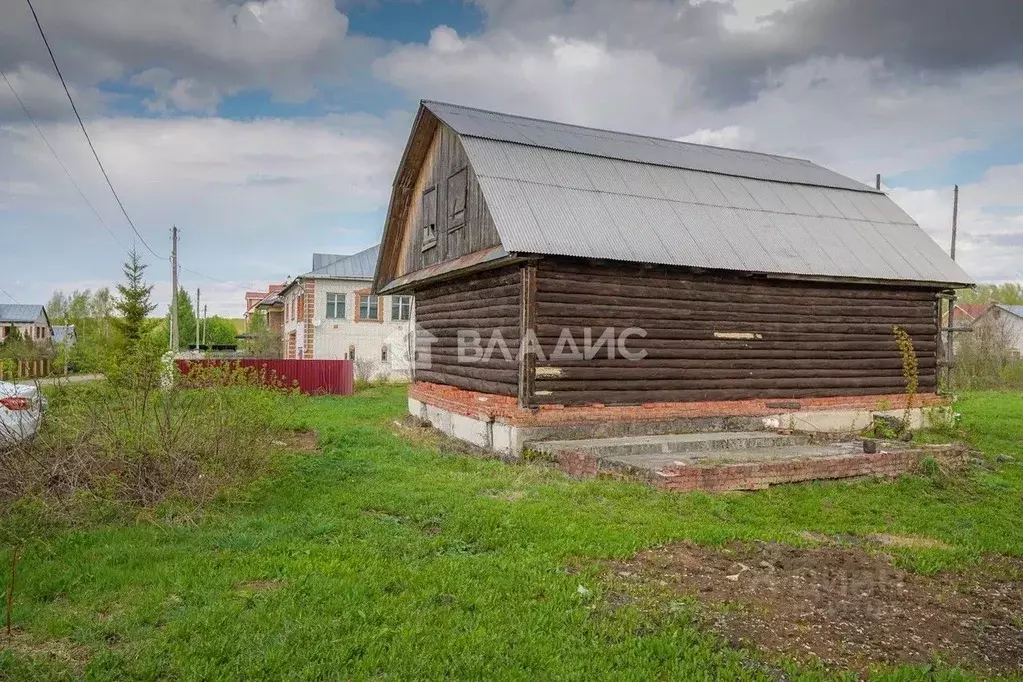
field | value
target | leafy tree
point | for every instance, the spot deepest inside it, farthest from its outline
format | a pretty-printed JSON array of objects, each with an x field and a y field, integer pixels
[
  {"x": 186, "y": 321},
  {"x": 17, "y": 347},
  {"x": 262, "y": 341},
  {"x": 58, "y": 307},
  {"x": 134, "y": 304},
  {"x": 220, "y": 331},
  {"x": 1010, "y": 293}
]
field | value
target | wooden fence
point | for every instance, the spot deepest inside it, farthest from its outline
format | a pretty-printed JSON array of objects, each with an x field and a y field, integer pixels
[
  {"x": 24, "y": 369},
  {"x": 314, "y": 377}
]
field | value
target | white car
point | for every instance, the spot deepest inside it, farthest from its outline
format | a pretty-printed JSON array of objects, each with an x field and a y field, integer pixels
[{"x": 21, "y": 413}]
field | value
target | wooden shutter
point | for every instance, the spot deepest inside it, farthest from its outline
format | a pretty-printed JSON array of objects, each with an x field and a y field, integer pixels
[
  {"x": 457, "y": 189},
  {"x": 430, "y": 218}
]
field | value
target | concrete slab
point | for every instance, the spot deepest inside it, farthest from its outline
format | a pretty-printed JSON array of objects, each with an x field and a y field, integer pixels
[{"x": 677, "y": 444}]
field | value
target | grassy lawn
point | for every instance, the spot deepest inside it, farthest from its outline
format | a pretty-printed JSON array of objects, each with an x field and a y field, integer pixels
[{"x": 380, "y": 557}]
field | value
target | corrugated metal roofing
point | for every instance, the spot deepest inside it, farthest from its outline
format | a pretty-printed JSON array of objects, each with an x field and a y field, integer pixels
[
  {"x": 361, "y": 265},
  {"x": 19, "y": 312},
  {"x": 322, "y": 260},
  {"x": 546, "y": 135},
  {"x": 558, "y": 202}
]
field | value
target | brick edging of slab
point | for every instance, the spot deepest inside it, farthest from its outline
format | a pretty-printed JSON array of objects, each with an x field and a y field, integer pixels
[{"x": 760, "y": 475}]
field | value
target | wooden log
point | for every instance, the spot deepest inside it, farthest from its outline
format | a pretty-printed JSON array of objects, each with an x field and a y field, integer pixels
[
  {"x": 465, "y": 304},
  {"x": 552, "y": 332},
  {"x": 491, "y": 278},
  {"x": 581, "y": 311},
  {"x": 573, "y": 367},
  {"x": 482, "y": 293},
  {"x": 467, "y": 383},
  {"x": 548, "y": 325},
  {"x": 640, "y": 397},
  {"x": 896, "y": 384},
  {"x": 684, "y": 356},
  {"x": 476, "y": 371},
  {"x": 474, "y": 312},
  {"x": 692, "y": 291},
  {"x": 565, "y": 271},
  {"x": 527, "y": 320},
  {"x": 584, "y": 303},
  {"x": 485, "y": 322}
]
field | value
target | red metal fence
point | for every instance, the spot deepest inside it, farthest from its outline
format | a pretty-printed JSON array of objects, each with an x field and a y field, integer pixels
[{"x": 333, "y": 377}]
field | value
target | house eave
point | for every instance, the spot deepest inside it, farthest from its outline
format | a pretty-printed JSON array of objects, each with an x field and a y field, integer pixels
[{"x": 478, "y": 261}]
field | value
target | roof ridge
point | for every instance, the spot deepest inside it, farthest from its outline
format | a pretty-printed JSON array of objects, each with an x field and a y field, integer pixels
[
  {"x": 621, "y": 132},
  {"x": 340, "y": 261}
]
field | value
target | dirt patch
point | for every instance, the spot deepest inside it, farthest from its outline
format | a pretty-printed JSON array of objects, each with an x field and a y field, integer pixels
[
  {"x": 305, "y": 442},
  {"x": 506, "y": 495},
  {"x": 873, "y": 540},
  {"x": 910, "y": 541},
  {"x": 847, "y": 607},
  {"x": 61, "y": 651},
  {"x": 258, "y": 585}
]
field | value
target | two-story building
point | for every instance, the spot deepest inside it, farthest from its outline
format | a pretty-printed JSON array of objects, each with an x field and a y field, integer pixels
[
  {"x": 329, "y": 313},
  {"x": 31, "y": 321}
]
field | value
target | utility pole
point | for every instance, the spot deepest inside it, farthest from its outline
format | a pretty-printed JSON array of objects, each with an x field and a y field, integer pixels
[
  {"x": 204, "y": 324},
  {"x": 174, "y": 291},
  {"x": 950, "y": 331},
  {"x": 198, "y": 295}
]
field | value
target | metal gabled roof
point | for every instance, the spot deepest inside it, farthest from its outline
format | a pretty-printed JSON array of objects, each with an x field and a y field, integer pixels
[
  {"x": 557, "y": 189},
  {"x": 19, "y": 312},
  {"x": 492, "y": 125},
  {"x": 360, "y": 265},
  {"x": 552, "y": 202}
]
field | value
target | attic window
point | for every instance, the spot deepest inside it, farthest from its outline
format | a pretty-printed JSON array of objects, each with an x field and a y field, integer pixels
[
  {"x": 430, "y": 218},
  {"x": 457, "y": 189}
]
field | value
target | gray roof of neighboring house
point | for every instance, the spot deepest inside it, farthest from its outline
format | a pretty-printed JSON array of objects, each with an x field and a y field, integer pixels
[
  {"x": 322, "y": 260},
  {"x": 1016, "y": 310},
  {"x": 62, "y": 332},
  {"x": 361, "y": 265},
  {"x": 557, "y": 189},
  {"x": 18, "y": 312}
]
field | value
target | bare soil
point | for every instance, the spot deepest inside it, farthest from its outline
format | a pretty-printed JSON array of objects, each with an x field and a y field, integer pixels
[
  {"x": 304, "y": 442},
  {"x": 61, "y": 651},
  {"x": 846, "y": 606}
]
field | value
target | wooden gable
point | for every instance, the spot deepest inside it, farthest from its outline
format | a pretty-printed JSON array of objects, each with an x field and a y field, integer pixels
[{"x": 437, "y": 211}]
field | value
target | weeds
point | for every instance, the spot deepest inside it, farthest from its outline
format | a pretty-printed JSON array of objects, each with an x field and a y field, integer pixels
[{"x": 128, "y": 444}]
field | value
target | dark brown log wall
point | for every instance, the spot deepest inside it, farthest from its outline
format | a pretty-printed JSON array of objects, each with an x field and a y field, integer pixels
[
  {"x": 485, "y": 303},
  {"x": 813, "y": 339}
]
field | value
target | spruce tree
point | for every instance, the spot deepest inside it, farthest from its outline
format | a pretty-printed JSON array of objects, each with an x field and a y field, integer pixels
[{"x": 134, "y": 305}]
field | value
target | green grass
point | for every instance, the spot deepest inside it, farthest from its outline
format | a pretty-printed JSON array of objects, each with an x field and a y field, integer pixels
[{"x": 393, "y": 560}]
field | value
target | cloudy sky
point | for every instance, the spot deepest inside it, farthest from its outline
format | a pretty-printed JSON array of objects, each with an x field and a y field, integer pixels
[{"x": 270, "y": 129}]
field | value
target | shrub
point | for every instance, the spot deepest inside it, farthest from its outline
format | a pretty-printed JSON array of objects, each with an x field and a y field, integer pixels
[{"x": 133, "y": 442}]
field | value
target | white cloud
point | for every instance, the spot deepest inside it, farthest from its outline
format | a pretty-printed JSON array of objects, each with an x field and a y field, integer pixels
[
  {"x": 245, "y": 193},
  {"x": 990, "y": 225},
  {"x": 203, "y": 47},
  {"x": 732, "y": 136},
  {"x": 579, "y": 81}
]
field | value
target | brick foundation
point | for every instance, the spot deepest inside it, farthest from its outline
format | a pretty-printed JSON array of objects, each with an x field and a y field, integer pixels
[{"x": 505, "y": 409}]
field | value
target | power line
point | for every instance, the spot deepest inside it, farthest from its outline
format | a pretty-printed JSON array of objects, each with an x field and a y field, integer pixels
[
  {"x": 62, "y": 166},
  {"x": 213, "y": 279},
  {"x": 86, "y": 132},
  {"x": 9, "y": 296}
]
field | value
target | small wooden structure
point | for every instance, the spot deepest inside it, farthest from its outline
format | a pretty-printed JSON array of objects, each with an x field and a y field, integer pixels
[{"x": 736, "y": 275}]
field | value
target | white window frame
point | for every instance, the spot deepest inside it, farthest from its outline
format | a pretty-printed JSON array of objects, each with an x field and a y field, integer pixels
[
  {"x": 401, "y": 304},
  {"x": 333, "y": 300}
]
